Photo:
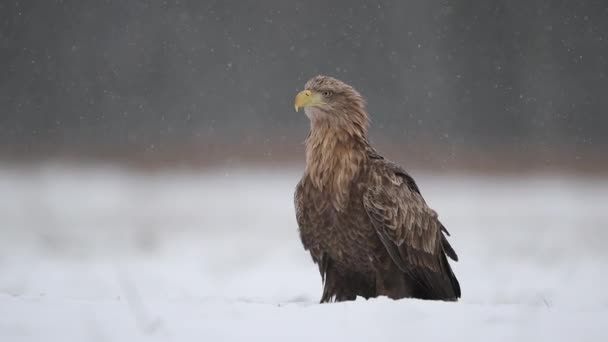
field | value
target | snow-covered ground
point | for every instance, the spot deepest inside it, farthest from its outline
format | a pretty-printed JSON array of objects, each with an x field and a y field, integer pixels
[{"x": 103, "y": 254}]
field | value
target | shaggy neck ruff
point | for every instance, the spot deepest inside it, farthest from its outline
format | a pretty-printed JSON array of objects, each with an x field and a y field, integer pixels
[{"x": 335, "y": 150}]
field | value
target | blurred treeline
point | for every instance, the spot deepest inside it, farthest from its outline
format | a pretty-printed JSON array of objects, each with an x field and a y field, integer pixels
[{"x": 450, "y": 83}]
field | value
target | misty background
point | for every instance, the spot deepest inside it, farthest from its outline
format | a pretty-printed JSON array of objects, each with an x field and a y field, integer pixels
[
  {"x": 492, "y": 85},
  {"x": 149, "y": 152}
]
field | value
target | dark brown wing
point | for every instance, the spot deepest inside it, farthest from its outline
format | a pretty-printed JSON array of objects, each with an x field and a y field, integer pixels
[
  {"x": 411, "y": 184},
  {"x": 411, "y": 233}
]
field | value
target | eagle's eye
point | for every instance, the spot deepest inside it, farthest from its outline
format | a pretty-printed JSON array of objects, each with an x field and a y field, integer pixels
[{"x": 327, "y": 93}]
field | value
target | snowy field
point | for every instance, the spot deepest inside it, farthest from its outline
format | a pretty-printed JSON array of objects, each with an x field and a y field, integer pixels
[{"x": 105, "y": 254}]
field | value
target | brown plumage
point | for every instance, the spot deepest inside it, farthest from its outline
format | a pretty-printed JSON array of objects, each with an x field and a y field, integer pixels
[{"x": 362, "y": 217}]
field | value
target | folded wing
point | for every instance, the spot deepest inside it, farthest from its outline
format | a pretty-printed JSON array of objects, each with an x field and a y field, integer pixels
[{"x": 412, "y": 234}]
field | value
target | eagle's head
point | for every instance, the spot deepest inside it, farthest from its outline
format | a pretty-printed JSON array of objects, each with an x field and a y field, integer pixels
[{"x": 331, "y": 101}]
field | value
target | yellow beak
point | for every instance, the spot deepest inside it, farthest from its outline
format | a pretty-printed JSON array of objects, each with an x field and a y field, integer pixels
[
  {"x": 307, "y": 98},
  {"x": 302, "y": 99}
]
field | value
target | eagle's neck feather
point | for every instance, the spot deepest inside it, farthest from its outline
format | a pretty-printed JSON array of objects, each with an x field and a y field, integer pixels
[{"x": 334, "y": 155}]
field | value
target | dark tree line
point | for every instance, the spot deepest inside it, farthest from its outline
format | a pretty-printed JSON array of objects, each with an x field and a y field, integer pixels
[{"x": 136, "y": 74}]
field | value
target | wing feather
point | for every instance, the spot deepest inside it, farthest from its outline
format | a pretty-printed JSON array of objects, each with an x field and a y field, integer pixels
[{"x": 411, "y": 233}]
